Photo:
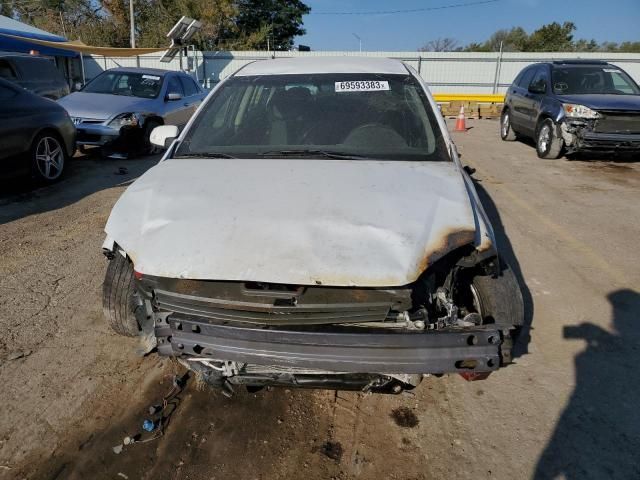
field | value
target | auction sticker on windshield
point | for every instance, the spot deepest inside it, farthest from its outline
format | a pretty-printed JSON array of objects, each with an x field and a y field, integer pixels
[{"x": 362, "y": 86}]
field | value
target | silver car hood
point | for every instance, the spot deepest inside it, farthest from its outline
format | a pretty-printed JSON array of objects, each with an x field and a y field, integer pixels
[
  {"x": 103, "y": 106},
  {"x": 329, "y": 222}
]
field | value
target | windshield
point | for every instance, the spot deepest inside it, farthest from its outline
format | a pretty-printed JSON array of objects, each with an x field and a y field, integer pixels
[
  {"x": 320, "y": 115},
  {"x": 126, "y": 83},
  {"x": 583, "y": 80}
]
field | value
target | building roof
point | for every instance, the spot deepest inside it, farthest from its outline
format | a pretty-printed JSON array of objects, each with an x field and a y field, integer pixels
[{"x": 337, "y": 64}]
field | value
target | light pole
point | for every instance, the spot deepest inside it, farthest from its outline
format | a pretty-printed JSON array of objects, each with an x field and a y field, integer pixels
[
  {"x": 359, "y": 41},
  {"x": 133, "y": 25}
]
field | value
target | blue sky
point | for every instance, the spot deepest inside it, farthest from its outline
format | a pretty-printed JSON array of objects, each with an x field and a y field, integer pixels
[{"x": 614, "y": 20}]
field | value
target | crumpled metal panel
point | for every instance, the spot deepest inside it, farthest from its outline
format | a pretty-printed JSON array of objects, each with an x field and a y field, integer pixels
[{"x": 295, "y": 221}]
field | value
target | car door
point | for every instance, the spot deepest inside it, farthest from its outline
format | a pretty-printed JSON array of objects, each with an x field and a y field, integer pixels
[
  {"x": 192, "y": 95},
  {"x": 177, "y": 110},
  {"x": 536, "y": 92},
  {"x": 518, "y": 96},
  {"x": 16, "y": 127}
]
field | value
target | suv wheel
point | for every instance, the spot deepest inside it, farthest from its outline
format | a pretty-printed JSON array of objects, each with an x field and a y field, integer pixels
[
  {"x": 548, "y": 143},
  {"x": 506, "y": 132}
]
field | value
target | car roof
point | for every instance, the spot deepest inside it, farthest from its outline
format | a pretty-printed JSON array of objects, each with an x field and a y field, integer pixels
[
  {"x": 337, "y": 64},
  {"x": 150, "y": 71}
]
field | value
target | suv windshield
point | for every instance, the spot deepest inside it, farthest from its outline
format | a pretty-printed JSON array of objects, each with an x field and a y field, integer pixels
[
  {"x": 606, "y": 79},
  {"x": 318, "y": 115},
  {"x": 126, "y": 83}
]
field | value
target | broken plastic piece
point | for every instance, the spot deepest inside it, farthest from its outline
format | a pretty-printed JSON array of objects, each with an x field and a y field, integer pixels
[{"x": 149, "y": 425}]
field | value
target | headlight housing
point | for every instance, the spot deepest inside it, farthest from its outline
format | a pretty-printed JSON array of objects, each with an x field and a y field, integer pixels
[
  {"x": 573, "y": 110},
  {"x": 126, "y": 120}
]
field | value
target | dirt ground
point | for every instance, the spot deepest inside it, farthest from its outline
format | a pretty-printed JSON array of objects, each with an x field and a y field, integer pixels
[{"x": 567, "y": 408}]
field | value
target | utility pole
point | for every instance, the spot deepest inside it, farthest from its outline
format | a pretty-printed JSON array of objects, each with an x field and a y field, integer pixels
[
  {"x": 359, "y": 41},
  {"x": 133, "y": 25}
]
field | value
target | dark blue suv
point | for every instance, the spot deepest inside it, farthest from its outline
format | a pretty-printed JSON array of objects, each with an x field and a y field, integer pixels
[{"x": 571, "y": 106}]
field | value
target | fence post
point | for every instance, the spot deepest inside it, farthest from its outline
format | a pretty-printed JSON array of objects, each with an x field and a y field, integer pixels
[
  {"x": 496, "y": 77},
  {"x": 419, "y": 64}
]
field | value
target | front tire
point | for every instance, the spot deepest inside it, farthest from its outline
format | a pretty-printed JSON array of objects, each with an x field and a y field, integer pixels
[
  {"x": 548, "y": 143},
  {"x": 498, "y": 298},
  {"x": 119, "y": 298},
  {"x": 506, "y": 131}
]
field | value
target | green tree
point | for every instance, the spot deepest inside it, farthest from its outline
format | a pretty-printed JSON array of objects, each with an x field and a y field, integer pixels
[
  {"x": 552, "y": 37},
  {"x": 583, "y": 45},
  {"x": 278, "y": 20},
  {"x": 629, "y": 47}
]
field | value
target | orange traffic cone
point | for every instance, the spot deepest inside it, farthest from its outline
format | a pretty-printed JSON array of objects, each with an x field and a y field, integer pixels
[{"x": 461, "y": 126}]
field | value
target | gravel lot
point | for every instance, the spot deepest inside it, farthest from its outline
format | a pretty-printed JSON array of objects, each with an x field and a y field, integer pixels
[{"x": 567, "y": 408}]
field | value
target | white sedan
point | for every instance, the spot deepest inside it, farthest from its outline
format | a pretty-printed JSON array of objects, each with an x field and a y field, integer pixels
[{"x": 312, "y": 226}]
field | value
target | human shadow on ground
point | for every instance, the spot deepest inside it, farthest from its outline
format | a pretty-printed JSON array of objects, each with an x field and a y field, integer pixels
[{"x": 598, "y": 433}]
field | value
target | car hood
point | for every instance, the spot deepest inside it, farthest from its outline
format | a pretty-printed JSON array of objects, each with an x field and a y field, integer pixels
[
  {"x": 103, "y": 106},
  {"x": 305, "y": 222},
  {"x": 604, "y": 102}
]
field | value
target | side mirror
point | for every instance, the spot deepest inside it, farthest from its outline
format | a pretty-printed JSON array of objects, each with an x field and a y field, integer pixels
[
  {"x": 470, "y": 170},
  {"x": 163, "y": 135},
  {"x": 77, "y": 86},
  {"x": 173, "y": 96}
]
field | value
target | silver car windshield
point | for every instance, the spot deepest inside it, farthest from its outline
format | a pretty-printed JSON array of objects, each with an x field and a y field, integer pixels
[
  {"x": 319, "y": 115},
  {"x": 126, "y": 83}
]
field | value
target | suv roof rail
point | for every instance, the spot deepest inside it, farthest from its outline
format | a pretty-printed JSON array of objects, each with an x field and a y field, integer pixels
[{"x": 579, "y": 62}]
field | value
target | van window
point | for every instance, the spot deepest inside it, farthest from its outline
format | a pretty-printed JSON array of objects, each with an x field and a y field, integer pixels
[
  {"x": 37, "y": 68},
  {"x": 6, "y": 70}
]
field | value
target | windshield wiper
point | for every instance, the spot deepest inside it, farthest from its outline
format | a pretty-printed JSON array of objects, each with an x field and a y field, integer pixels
[
  {"x": 204, "y": 155},
  {"x": 304, "y": 152}
]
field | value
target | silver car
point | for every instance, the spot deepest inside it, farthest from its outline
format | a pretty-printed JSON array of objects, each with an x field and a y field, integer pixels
[
  {"x": 119, "y": 108},
  {"x": 312, "y": 226}
]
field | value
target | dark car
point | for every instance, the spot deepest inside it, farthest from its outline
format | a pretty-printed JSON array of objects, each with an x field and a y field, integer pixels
[
  {"x": 572, "y": 106},
  {"x": 37, "y": 136},
  {"x": 118, "y": 109},
  {"x": 36, "y": 74}
]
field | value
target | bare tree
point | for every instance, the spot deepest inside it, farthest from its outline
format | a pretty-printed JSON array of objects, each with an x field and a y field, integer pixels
[{"x": 446, "y": 44}]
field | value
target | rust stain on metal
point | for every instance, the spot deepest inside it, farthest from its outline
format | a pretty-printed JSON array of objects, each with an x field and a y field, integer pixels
[{"x": 446, "y": 242}]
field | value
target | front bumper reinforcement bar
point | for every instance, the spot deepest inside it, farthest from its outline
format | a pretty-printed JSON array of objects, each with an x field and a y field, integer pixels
[{"x": 340, "y": 351}]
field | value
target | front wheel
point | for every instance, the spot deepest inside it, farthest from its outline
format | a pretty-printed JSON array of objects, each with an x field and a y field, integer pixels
[
  {"x": 548, "y": 143},
  {"x": 506, "y": 131},
  {"x": 119, "y": 298}
]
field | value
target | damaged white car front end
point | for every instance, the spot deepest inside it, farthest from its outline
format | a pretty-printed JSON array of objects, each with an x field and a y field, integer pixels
[{"x": 278, "y": 258}]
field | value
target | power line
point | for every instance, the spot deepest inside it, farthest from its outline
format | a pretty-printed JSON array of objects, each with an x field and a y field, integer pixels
[{"x": 413, "y": 10}]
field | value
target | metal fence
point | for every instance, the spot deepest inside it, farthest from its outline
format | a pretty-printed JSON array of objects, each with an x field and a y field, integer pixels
[{"x": 445, "y": 72}]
